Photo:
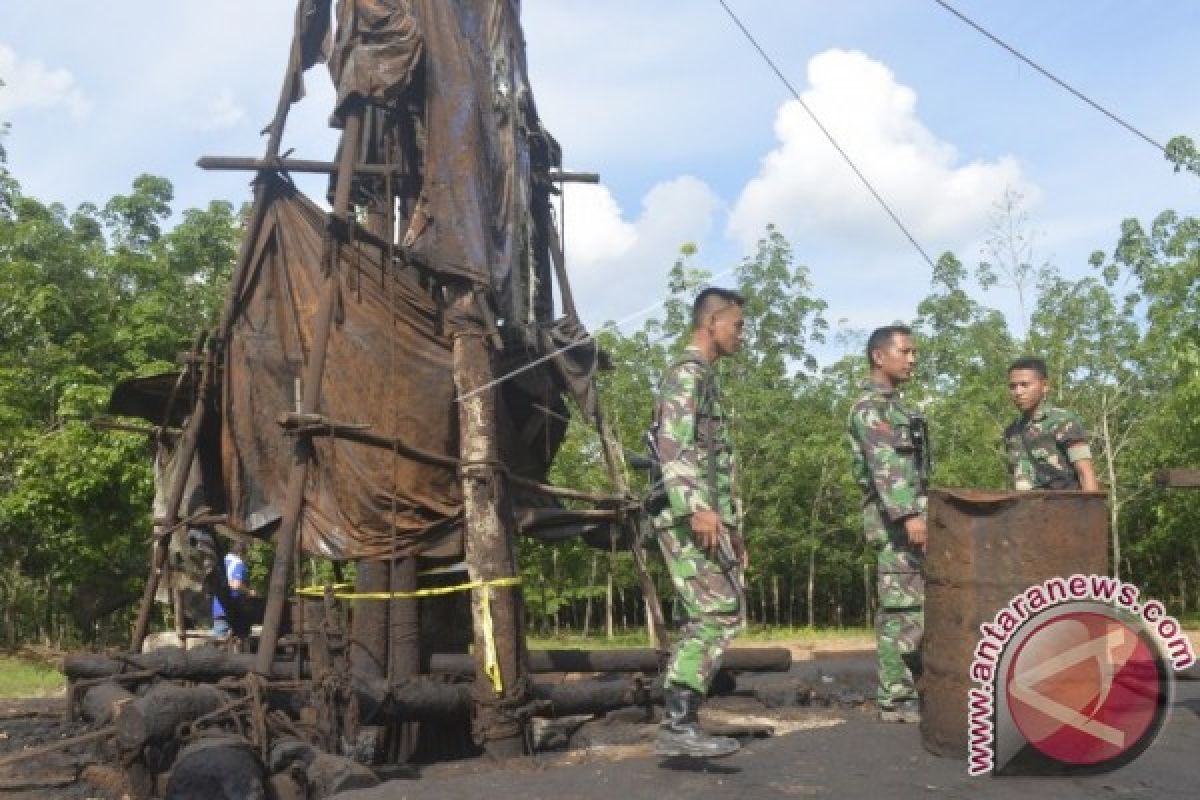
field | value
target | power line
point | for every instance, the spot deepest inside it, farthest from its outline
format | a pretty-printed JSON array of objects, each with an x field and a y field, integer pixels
[
  {"x": 1111, "y": 115},
  {"x": 828, "y": 135}
]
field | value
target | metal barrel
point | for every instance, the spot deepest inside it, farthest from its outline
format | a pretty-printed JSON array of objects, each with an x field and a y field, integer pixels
[{"x": 984, "y": 549}]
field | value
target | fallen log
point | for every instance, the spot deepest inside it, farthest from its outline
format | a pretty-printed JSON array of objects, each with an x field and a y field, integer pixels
[
  {"x": 172, "y": 663},
  {"x": 216, "y": 768},
  {"x": 157, "y": 714},
  {"x": 211, "y": 665},
  {"x": 103, "y": 701},
  {"x": 426, "y": 700}
]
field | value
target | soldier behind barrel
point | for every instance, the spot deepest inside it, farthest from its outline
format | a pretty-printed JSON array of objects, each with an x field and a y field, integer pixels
[
  {"x": 889, "y": 445},
  {"x": 1047, "y": 447}
]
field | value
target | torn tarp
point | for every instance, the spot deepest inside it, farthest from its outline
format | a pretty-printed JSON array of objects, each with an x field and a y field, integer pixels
[{"x": 389, "y": 367}]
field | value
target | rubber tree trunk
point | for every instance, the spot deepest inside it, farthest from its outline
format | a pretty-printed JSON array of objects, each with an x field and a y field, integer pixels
[{"x": 497, "y": 611}]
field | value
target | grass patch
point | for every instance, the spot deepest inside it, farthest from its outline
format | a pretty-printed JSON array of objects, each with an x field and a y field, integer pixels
[
  {"x": 21, "y": 678},
  {"x": 812, "y": 636}
]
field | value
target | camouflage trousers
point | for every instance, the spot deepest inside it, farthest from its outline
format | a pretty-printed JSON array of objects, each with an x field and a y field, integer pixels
[
  {"x": 708, "y": 603},
  {"x": 900, "y": 622}
]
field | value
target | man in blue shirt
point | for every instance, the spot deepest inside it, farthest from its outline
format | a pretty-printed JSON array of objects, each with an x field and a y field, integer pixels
[{"x": 236, "y": 576}]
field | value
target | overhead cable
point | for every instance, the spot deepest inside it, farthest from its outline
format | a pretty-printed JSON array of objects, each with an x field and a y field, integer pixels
[
  {"x": 879, "y": 198},
  {"x": 1111, "y": 115}
]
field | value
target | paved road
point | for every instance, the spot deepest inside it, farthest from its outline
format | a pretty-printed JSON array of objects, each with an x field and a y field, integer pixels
[{"x": 855, "y": 758}]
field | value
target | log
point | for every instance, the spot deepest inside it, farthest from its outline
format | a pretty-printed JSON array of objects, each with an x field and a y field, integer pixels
[
  {"x": 1178, "y": 478},
  {"x": 755, "y": 659},
  {"x": 103, "y": 701},
  {"x": 157, "y": 715},
  {"x": 216, "y": 768},
  {"x": 426, "y": 700},
  {"x": 173, "y": 663},
  {"x": 329, "y": 774}
]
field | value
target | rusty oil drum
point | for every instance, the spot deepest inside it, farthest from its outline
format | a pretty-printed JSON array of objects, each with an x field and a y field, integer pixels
[{"x": 984, "y": 549}]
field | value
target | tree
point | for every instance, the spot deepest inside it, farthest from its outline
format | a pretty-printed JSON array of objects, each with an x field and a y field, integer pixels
[{"x": 86, "y": 299}]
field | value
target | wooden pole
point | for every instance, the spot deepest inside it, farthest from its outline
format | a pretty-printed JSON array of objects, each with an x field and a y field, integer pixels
[
  {"x": 497, "y": 611},
  {"x": 189, "y": 440},
  {"x": 285, "y": 540}
]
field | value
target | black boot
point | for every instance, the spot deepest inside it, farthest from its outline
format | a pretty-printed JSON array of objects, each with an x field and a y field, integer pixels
[{"x": 680, "y": 733}]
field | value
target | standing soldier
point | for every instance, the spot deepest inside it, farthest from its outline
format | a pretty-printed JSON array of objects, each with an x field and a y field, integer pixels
[
  {"x": 697, "y": 527},
  {"x": 890, "y": 447},
  {"x": 1047, "y": 447}
]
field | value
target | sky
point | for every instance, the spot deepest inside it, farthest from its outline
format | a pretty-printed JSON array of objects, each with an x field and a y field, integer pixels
[{"x": 695, "y": 140}]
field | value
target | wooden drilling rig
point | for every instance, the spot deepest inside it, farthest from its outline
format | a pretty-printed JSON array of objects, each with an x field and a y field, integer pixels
[{"x": 386, "y": 386}]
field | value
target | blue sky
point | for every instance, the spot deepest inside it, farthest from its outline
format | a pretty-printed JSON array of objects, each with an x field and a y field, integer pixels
[{"x": 694, "y": 139}]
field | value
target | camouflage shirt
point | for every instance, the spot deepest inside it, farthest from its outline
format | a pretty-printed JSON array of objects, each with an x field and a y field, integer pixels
[
  {"x": 1045, "y": 445},
  {"x": 886, "y": 460},
  {"x": 692, "y": 427}
]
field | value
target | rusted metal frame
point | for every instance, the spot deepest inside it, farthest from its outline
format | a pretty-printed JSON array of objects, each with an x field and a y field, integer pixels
[
  {"x": 188, "y": 442},
  {"x": 497, "y": 611},
  {"x": 315, "y": 369}
]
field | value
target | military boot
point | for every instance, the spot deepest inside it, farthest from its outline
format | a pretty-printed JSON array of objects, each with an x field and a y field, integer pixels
[
  {"x": 680, "y": 733},
  {"x": 907, "y": 711}
]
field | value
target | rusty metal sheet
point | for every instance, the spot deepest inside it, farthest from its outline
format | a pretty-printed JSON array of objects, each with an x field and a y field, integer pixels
[{"x": 984, "y": 549}]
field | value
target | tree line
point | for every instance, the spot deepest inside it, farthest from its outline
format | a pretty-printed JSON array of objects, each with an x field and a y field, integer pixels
[{"x": 95, "y": 295}]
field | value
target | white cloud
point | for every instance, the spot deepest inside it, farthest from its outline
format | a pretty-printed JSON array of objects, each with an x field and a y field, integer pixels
[
  {"x": 222, "y": 112},
  {"x": 806, "y": 188},
  {"x": 619, "y": 267},
  {"x": 29, "y": 83}
]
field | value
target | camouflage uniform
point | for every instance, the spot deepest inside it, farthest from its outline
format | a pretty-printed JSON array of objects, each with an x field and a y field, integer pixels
[
  {"x": 887, "y": 466},
  {"x": 1043, "y": 448},
  {"x": 690, "y": 428}
]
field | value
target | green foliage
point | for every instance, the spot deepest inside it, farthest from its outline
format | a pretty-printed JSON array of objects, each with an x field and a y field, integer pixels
[
  {"x": 1181, "y": 152},
  {"x": 105, "y": 292},
  {"x": 1123, "y": 346},
  {"x": 87, "y": 299}
]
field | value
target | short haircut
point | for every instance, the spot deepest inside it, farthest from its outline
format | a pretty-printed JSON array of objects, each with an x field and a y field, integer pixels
[
  {"x": 882, "y": 337},
  {"x": 712, "y": 300},
  {"x": 1030, "y": 362}
]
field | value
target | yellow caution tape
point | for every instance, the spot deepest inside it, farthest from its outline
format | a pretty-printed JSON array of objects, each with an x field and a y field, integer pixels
[{"x": 491, "y": 663}]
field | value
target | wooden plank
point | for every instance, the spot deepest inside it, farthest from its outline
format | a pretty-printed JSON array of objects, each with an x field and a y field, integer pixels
[{"x": 1178, "y": 478}]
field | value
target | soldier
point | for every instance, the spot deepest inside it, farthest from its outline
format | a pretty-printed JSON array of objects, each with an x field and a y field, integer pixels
[
  {"x": 1047, "y": 447},
  {"x": 890, "y": 448},
  {"x": 697, "y": 529}
]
